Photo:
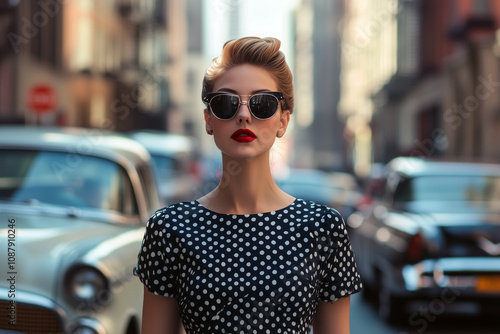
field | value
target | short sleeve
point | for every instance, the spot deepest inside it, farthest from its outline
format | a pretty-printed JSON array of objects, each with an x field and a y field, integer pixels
[
  {"x": 339, "y": 274},
  {"x": 157, "y": 262}
]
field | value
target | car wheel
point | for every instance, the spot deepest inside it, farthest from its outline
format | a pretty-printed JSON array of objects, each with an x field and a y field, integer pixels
[{"x": 390, "y": 307}]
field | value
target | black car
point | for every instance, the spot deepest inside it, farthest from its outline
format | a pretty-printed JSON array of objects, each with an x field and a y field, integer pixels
[{"x": 429, "y": 242}]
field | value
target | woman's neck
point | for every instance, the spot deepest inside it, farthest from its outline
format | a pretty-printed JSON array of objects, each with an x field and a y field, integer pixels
[{"x": 246, "y": 187}]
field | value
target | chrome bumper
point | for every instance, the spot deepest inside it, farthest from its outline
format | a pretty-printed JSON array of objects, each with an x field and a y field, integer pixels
[{"x": 461, "y": 273}]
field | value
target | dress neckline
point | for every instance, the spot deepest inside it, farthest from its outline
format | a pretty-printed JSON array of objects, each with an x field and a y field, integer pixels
[{"x": 248, "y": 214}]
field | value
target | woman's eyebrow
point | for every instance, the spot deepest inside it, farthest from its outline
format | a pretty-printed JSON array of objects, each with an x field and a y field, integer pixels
[
  {"x": 260, "y": 91},
  {"x": 232, "y": 91},
  {"x": 227, "y": 90}
]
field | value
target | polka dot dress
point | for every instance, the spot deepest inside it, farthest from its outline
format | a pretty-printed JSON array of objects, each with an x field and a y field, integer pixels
[{"x": 258, "y": 273}]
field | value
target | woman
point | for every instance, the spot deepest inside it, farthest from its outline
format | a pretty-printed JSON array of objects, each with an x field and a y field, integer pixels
[{"x": 247, "y": 257}]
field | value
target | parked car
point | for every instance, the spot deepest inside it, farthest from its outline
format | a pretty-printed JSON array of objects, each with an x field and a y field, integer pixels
[
  {"x": 334, "y": 189},
  {"x": 432, "y": 238},
  {"x": 346, "y": 192},
  {"x": 175, "y": 160},
  {"x": 210, "y": 171},
  {"x": 73, "y": 204}
]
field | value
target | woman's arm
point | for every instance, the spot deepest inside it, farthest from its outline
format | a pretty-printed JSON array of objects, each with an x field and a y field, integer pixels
[
  {"x": 160, "y": 315},
  {"x": 332, "y": 318}
]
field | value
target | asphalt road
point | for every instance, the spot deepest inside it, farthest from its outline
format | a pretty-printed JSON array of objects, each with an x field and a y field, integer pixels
[{"x": 364, "y": 320}]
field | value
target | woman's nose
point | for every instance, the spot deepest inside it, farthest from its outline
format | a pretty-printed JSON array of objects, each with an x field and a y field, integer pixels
[{"x": 244, "y": 114}]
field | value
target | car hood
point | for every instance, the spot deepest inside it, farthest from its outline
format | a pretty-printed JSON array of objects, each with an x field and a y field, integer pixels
[{"x": 44, "y": 246}]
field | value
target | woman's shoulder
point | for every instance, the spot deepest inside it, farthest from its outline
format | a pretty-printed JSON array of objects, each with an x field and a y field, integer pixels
[
  {"x": 319, "y": 215},
  {"x": 318, "y": 210},
  {"x": 171, "y": 211},
  {"x": 326, "y": 223}
]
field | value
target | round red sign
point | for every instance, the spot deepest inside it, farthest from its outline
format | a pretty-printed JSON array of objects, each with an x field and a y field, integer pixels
[{"x": 42, "y": 99}]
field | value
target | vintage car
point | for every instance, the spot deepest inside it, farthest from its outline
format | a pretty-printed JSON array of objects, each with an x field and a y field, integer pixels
[
  {"x": 73, "y": 207},
  {"x": 429, "y": 242},
  {"x": 175, "y": 164}
]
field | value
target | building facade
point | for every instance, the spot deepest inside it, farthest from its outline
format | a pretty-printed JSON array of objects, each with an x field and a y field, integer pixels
[
  {"x": 419, "y": 78},
  {"x": 101, "y": 64},
  {"x": 319, "y": 129}
]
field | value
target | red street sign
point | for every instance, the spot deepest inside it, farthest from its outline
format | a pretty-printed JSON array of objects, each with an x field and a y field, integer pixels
[{"x": 42, "y": 99}]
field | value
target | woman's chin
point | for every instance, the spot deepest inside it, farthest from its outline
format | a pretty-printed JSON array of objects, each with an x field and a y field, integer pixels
[{"x": 244, "y": 153}]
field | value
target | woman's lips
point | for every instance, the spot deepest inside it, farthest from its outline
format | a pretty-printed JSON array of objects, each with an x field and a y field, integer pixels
[{"x": 243, "y": 136}]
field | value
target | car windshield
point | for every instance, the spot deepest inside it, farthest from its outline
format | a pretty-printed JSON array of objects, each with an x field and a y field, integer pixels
[
  {"x": 475, "y": 190},
  {"x": 67, "y": 179},
  {"x": 166, "y": 166}
]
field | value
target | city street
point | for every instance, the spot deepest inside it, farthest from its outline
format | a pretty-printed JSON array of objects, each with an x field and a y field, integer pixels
[
  {"x": 364, "y": 319},
  {"x": 241, "y": 156}
]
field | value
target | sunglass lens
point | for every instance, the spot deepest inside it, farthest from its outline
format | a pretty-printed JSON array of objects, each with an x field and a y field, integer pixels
[
  {"x": 263, "y": 105},
  {"x": 224, "y": 106}
]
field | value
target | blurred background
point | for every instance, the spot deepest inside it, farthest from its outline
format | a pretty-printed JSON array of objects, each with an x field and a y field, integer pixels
[{"x": 374, "y": 80}]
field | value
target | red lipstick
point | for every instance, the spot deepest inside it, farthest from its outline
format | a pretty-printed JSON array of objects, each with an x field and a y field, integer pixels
[{"x": 243, "y": 136}]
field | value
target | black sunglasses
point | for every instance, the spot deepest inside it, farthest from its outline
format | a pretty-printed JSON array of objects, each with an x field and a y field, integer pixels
[{"x": 225, "y": 106}]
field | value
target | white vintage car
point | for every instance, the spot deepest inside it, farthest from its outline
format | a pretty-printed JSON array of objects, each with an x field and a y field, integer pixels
[{"x": 73, "y": 203}]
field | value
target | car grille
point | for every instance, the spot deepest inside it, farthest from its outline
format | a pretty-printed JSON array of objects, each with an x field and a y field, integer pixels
[{"x": 31, "y": 319}]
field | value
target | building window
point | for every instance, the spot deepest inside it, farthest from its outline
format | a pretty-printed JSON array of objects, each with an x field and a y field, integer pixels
[{"x": 481, "y": 7}]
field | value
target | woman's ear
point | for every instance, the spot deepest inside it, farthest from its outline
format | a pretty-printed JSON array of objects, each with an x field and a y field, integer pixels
[
  {"x": 208, "y": 121},
  {"x": 284, "y": 120}
]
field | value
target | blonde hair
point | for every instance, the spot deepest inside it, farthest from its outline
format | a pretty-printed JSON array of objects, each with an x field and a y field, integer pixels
[{"x": 262, "y": 52}]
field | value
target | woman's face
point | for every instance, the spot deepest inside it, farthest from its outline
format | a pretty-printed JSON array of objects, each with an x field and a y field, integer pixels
[{"x": 246, "y": 80}]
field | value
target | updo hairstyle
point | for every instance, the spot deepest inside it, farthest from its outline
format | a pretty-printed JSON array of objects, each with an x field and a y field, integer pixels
[{"x": 262, "y": 52}]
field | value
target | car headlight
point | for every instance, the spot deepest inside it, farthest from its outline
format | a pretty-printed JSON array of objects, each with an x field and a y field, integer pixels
[
  {"x": 86, "y": 326},
  {"x": 86, "y": 286},
  {"x": 83, "y": 330}
]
